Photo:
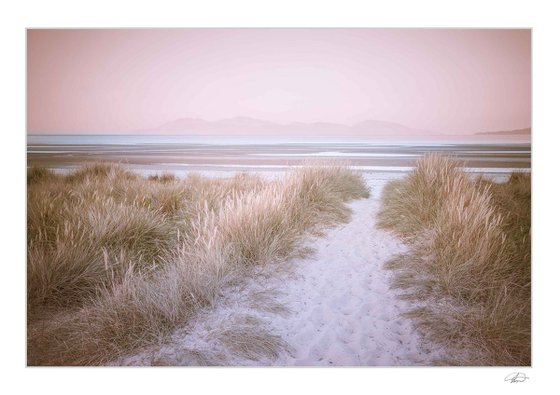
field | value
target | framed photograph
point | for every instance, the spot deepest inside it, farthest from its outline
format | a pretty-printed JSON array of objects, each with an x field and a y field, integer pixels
[{"x": 326, "y": 197}]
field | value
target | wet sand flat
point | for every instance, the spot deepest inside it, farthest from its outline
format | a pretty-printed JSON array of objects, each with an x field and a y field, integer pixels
[{"x": 196, "y": 156}]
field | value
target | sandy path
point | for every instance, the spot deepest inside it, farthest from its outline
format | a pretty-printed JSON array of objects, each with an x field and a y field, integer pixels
[
  {"x": 344, "y": 311},
  {"x": 334, "y": 308}
]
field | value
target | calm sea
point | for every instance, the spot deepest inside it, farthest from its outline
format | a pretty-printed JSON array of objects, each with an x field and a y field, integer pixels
[{"x": 180, "y": 152}]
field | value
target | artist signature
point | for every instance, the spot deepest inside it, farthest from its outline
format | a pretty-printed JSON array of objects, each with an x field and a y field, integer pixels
[{"x": 516, "y": 377}]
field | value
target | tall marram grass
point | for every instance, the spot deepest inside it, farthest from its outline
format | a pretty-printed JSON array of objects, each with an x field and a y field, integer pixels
[
  {"x": 117, "y": 261},
  {"x": 469, "y": 261}
]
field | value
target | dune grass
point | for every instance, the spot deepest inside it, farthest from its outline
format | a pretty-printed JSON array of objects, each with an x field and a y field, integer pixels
[
  {"x": 469, "y": 261},
  {"x": 117, "y": 261}
]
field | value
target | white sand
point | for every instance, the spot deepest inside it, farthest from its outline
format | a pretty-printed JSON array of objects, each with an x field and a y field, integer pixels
[
  {"x": 333, "y": 308},
  {"x": 345, "y": 312}
]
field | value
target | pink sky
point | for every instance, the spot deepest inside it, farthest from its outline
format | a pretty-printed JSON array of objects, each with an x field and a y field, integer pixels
[{"x": 449, "y": 81}]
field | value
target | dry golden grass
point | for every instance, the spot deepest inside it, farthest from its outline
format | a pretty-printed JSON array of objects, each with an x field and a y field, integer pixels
[
  {"x": 117, "y": 261},
  {"x": 469, "y": 261},
  {"x": 245, "y": 336}
]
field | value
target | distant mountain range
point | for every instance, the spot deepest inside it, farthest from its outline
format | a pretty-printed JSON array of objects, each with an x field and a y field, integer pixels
[
  {"x": 515, "y": 132},
  {"x": 245, "y": 126},
  {"x": 250, "y": 126}
]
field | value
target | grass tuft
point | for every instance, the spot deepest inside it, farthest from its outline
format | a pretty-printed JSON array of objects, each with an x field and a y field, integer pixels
[
  {"x": 117, "y": 261},
  {"x": 163, "y": 178},
  {"x": 469, "y": 261},
  {"x": 38, "y": 174}
]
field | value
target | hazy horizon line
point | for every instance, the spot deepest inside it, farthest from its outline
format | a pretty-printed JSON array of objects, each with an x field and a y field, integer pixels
[{"x": 272, "y": 123}]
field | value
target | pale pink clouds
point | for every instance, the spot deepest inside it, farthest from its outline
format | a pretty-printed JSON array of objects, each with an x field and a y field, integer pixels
[{"x": 451, "y": 81}]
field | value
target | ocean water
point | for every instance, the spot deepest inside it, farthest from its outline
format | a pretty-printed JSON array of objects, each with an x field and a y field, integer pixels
[{"x": 196, "y": 152}]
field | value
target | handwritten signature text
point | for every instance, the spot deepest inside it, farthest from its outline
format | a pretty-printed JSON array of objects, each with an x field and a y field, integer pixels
[{"x": 516, "y": 377}]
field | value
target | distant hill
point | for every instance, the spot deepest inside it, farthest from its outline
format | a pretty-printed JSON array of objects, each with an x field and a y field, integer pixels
[
  {"x": 516, "y": 132},
  {"x": 250, "y": 126},
  {"x": 388, "y": 129}
]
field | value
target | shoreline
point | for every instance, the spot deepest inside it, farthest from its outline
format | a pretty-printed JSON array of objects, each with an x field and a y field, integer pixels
[
  {"x": 182, "y": 170},
  {"x": 396, "y": 156}
]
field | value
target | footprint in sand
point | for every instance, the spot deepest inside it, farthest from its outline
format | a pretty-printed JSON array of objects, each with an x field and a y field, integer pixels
[
  {"x": 366, "y": 309},
  {"x": 317, "y": 315},
  {"x": 344, "y": 355},
  {"x": 341, "y": 301},
  {"x": 321, "y": 347},
  {"x": 367, "y": 343}
]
